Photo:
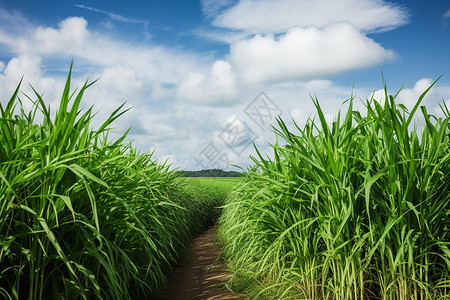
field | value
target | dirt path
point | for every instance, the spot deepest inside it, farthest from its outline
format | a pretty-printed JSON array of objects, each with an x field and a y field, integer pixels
[{"x": 201, "y": 276}]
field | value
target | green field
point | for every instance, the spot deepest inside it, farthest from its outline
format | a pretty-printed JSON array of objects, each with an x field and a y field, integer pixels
[
  {"x": 356, "y": 210},
  {"x": 225, "y": 180},
  {"x": 86, "y": 217}
]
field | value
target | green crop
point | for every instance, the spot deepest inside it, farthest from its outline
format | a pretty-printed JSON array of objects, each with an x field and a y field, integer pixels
[
  {"x": 81, "y": 216},
  {"x": 356, "y": 210}
]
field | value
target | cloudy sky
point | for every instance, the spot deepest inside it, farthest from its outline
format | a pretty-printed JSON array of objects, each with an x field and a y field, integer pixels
[{"x": 205, "y": 79}]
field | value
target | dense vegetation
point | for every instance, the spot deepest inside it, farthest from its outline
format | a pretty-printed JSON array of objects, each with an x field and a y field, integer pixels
[
  {"x": 84, "y": 217},
  {"x": 211, "y": 173},
  {"x": 356, "y": 210}
]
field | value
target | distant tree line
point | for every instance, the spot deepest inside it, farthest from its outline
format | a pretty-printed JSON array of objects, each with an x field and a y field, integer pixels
[{"x": 211, "y": 173}]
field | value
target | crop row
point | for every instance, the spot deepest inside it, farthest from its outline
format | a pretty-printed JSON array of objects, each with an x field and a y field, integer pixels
[
  {"x": 356, "y": 210},
  {"x": 82, "y": 216}
]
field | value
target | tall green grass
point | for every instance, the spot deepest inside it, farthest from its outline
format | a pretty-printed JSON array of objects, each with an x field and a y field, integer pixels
[
  {"x": 356, "y": 210},
  {"x": 82, "y": 216}
]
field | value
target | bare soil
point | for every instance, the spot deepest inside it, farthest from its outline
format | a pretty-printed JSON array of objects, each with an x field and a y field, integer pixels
[{"x": 202, "y": 275}]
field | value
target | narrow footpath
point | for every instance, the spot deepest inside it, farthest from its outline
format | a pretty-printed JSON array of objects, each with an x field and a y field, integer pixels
[{"x": 201, "y": 276}]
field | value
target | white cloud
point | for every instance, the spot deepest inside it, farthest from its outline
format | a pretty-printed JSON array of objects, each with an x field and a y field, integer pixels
[
  {"x": 25, "y": 65},
  {"x": 73, "y": 39},
  {"x": 409, "y": 96},
  {"x": 329, "y": 95},
  {"x": 297, "y": 40},
  {"x": 298, "y": 116},
  {"x": 269, "y": 16},
  {"x": 71, "y": 34},
  {"x": 176, "y": 93},
  {"x": 144, "y": 76},
  {"x": 30, "y": 68},
  {"x": 317, "y": 85},
  {"x": 236, "y": 133},
  {"x": 123, "y": 78},
  {"x": 304, "y": 53},
  {"x": 218, "y": 86}
]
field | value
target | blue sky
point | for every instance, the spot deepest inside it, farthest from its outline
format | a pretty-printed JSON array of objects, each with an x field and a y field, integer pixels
[{"x": 193, "y": 71}]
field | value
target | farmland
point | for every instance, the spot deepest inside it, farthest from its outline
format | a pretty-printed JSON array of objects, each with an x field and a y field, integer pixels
[
  {"x": 355, "y": 210},
  {"x": 83, "y": 216},
  {"x": 358, "y": 209}
]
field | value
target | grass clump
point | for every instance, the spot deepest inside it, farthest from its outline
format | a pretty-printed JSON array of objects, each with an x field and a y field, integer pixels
[
  {"x": 356, "y": 210},
  {"x": 81, "y": 216}
]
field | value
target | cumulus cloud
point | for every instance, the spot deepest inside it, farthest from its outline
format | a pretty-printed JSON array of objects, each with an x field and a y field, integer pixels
[
  {"x": 237, "y": 134},
  {"x": 144, "y": 76},
  {"x": 299, "y": 105},
  {"x": 283, "y": 40},
  {"x": 160, "y": 81},
  {"x": 30, "y": 68},
  {"x": 12, "y": 73},
  {"x": 298, "y": 116},
  {"x": 268, "y": 16},
  {"x": 29, "y": 65},
  {"x": 71, "y": 34},
  {"x": 304, "y": 53},
  {"x": 72, "y": 38},
  {"x": 218, "y": 86},
  {"x": 123, "y": 77},
  {"x": 409, "y": 96}
]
